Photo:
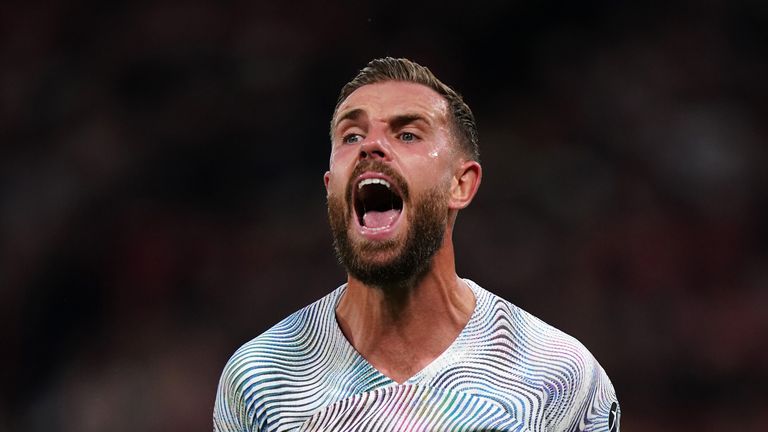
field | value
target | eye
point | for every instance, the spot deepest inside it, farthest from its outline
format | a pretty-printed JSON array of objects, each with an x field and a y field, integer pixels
[
  {"x": 352, "y": 138},
  {"x": 408, "y": 137}
]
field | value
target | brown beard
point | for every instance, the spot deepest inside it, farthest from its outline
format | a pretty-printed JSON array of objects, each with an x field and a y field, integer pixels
[{"x": 410, "y": 258}]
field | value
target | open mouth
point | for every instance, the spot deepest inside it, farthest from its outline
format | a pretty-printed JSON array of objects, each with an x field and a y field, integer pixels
[{"x": 378, "y": 204}]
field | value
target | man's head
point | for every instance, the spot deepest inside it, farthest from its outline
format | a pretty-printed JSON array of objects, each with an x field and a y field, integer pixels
[
  {"x": 400, "y": 69},
  {"x": 403, "y": 162}
]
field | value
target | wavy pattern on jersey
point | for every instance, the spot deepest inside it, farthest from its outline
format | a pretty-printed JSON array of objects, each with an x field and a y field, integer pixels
[
  {"x": 506, "y": 366},
  {"x": 413, "y": 408},
  {"x": 292, "y": 370}
]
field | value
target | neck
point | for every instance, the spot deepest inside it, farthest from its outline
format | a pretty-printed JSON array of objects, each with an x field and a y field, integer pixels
[{"x": 403, "y": 329}]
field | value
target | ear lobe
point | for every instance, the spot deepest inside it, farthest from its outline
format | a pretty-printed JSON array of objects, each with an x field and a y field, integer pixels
[{"x": 464, "y": 184}]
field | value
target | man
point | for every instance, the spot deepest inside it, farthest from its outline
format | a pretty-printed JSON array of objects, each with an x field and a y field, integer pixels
[{"x": 405, "y": 344}]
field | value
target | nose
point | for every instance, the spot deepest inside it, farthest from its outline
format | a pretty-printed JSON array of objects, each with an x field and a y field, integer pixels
[{"x": 375, "y": 148}]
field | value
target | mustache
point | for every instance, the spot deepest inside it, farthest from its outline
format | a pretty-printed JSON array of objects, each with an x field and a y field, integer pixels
[{"x": 380, "y": 167}]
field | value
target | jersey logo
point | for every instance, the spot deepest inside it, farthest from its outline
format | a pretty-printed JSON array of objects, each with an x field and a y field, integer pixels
[{"x": 613, "y": 418}]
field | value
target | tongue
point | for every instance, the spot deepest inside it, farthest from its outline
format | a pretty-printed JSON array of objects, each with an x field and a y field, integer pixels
[{"x": 380, "y": 219}]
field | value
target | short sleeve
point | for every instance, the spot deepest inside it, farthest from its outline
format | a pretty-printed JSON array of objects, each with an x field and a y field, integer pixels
[
  {"x": 585, "y": 401},
  {"x": 228, "y": 411},
  {"x": 593, "y": 404},
  {"x": 602, "y": 412}
]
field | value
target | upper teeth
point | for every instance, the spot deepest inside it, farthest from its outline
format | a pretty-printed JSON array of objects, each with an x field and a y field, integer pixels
[{"x": 373, "y": 181}]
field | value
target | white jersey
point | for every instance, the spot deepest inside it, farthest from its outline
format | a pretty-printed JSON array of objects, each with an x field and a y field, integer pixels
[{"x": 506, "y": 371}]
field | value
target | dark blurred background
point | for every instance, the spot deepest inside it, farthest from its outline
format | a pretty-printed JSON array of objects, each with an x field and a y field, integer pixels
[{"x": 161, "y": 197}]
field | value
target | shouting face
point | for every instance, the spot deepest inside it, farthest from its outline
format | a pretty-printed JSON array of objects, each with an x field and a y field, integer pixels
[{"x": 389, "y": 181}]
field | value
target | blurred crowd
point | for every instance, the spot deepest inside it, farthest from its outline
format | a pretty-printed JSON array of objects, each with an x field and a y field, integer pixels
[{"x": 161, "y": 197}]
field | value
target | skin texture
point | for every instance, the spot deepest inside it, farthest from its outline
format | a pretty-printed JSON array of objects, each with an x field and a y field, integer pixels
[{"x": 402, "y": 327}]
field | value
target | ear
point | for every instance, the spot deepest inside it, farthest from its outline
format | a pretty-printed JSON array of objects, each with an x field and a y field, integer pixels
[
  {"x": 326, "y": 180},
  {"x": 464, "y": 184}
]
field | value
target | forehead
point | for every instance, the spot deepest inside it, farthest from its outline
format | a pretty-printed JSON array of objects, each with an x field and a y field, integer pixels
[{"x": 385, "y": 99}]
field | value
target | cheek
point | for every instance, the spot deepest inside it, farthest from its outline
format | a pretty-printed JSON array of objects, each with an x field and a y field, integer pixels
[
  {"x": 444, "y": 144},
  {"x": 341, "y": 157},
  {"x": 335, "y": 186},
  {"x": 338, "y": 179},
  {"x": 432, "y": 170},
  {"x": 436, "y": 151},
  {"x": 337, "y": 164}
]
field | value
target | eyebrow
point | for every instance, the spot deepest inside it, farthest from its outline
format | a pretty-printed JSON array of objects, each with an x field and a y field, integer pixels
[
  {"x": 349, "y": 115},
  {"x": 395, "y": 122},
  {"x": 401, "y": 120}
]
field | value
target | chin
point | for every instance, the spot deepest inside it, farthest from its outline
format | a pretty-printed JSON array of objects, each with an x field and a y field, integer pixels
[{"x": 400, "y": 253}]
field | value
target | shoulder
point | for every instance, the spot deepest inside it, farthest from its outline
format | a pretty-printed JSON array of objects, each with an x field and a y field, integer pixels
[
  {"x": 293, "y": 336},
  {"x": 574, "y": 387},
  {"x": 529, "y": 335},
  {"x": 256, "y": 369}
]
